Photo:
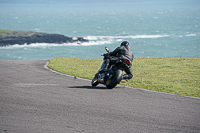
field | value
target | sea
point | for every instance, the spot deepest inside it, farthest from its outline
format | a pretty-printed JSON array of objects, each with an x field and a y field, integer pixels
[{"x": 153, "y": 29}]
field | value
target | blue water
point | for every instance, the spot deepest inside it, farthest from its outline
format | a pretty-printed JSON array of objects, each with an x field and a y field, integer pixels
[{"x": 152, "y": 29}]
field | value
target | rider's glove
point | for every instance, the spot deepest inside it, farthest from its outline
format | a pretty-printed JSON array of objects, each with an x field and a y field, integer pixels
[{"x": 106, "y": 55}]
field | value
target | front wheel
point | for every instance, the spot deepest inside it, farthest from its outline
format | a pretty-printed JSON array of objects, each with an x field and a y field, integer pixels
[
  {"x": 111, "y": 83},
  {"x": 95, "y": 80}
]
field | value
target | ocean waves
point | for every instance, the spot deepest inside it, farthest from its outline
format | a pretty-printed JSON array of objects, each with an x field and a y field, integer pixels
[
  {"x": 124, "y": 37},
  {"x": 172, "y": 45}
]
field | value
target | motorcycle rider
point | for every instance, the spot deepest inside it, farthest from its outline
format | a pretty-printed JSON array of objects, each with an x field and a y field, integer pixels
[{"x": 120, "y": 53}]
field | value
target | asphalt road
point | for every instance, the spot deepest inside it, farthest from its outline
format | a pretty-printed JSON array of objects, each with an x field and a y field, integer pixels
[{"x": 36, "y": 100}]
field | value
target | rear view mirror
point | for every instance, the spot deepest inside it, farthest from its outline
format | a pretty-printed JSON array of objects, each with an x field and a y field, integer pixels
[{"x": 107, "y": 49}]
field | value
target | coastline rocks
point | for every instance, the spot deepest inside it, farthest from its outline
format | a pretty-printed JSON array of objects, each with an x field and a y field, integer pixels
[{"x": 28, "y": 37}]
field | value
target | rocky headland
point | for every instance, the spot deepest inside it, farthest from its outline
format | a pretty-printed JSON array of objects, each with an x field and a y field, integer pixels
[{"x": 8, "y": 37}]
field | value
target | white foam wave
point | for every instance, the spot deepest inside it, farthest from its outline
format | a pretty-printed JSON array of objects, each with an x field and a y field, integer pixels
[
  {"x": 123, "y": 37},
  {"x": 43, "y": 45},
  {"x": 191, "y": 35}
]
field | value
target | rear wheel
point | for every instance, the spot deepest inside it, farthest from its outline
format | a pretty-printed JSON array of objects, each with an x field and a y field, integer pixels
[
  {"x": 111, "y": 83},
  {"x": 95, "y": 80}
]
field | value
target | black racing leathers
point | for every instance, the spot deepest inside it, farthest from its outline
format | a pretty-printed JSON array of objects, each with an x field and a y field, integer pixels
[{"x": 123, "y": 52}]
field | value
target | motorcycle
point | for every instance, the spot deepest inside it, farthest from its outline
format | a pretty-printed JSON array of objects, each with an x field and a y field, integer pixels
[{"x": 114, "y": 74}]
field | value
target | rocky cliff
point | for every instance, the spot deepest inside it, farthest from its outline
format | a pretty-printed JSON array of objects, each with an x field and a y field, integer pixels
[{"x": 28, "y": 37}]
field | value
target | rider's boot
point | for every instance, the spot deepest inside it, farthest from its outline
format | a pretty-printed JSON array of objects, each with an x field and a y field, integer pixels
[{"x": 127, "y": 76}]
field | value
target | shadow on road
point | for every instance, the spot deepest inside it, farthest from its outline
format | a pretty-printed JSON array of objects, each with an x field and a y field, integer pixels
[{"x": 90, "y": 87}]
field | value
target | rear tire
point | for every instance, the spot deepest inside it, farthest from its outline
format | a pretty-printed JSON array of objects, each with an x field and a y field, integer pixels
[
  {"x": 111, "y": 83},
  {"x": 95, "y": 80}
]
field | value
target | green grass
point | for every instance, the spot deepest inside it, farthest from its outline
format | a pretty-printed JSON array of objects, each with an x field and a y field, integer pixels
[
  {"x": 172, "y": 75},
  {"x": 10, "y": 32},
  {"x": 2, "y": 32}
]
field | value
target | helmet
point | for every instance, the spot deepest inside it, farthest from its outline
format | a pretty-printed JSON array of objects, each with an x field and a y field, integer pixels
[{"x": 124, "y": 43}]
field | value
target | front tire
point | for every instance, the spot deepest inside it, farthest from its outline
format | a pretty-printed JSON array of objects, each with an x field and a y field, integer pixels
[
  {"x": 95, "y": 80},
  {"x": 111, "y": 83}
]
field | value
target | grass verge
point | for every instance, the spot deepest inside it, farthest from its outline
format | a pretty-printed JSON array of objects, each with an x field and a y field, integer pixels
[{"x": 171, "y": 75}]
